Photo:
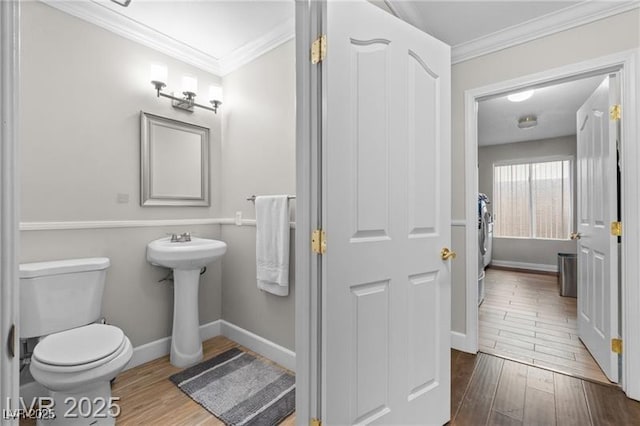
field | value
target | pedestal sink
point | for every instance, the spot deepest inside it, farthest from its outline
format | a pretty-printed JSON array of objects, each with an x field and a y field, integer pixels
[{"x": 186, "y": 258}]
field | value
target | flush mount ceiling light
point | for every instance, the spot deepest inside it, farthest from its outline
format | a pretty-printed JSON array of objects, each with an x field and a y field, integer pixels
[
  {"x": 520, "y": 96},
  {"x": 189, "y": 88},
  {"x": 527, "y": 121}
]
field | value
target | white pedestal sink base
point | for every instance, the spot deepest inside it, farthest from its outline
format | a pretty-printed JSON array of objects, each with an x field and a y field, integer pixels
[
  {"x": 186, "y": 257},
  {"x": 186, "y": 346}
]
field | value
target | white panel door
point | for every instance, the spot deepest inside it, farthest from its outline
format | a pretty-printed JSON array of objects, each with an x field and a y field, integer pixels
[
  {"x": 597, "y": 208},
  {"x": 386, "y": 201}
]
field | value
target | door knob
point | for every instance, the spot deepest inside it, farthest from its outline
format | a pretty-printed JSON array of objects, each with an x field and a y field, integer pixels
[
  {"x": 447, "y": 254},
  {"x": 575, "y": 236}
]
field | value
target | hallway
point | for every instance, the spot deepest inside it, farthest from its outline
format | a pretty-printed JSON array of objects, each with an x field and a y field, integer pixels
[
  {"x": 488, "y": 390},
  {"x": 525, "y": 319}
]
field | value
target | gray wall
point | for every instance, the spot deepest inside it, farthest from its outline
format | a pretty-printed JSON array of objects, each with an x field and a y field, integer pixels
[
  {"x": 258, "y": 157},
  {"x": 83, "y": 88},
  {"x": 524, "y": 249},
  {"x": 567, "y": 47},
  {"x": 82, "y": 92}
]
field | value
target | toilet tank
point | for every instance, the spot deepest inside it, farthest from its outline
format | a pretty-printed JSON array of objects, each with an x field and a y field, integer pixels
[{"x": 61, "y": 294}]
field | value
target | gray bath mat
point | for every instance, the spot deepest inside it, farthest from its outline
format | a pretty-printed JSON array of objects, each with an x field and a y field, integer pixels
[{"x": 240, "y": 389}]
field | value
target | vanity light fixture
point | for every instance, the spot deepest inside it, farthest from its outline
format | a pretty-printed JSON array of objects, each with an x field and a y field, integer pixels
[
  {"x": 189, "y": 88},
  {"x": 527, "y": 121}
]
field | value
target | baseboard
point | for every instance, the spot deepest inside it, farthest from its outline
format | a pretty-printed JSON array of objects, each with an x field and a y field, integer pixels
[
  {"x": 460, "y": 342},
  {"x": 524, "y": 265},
  {"x": 162, "y": 347},
  {"x": 264, "y": 347}
]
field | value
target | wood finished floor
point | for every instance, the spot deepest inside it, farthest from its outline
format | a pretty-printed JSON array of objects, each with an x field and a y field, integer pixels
[
  {"x": 485, "y": 390},
  {"x": 488, "y": 390},
  {"x": 147, "y": 397},
  {"x": 524, "y": 318}
]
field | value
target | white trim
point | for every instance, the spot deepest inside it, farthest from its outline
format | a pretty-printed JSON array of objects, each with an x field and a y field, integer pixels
[
  {"x": 532, "y": 160},
  {"x": 630, "y": 250},
  {"x": 564, "y": 19},
  {"x": 471, "y": 232},
  {"x": 104, "y": 224},
  {"x": 151, "y": 223},
  {"x": 111, "y": 20},
  {"x": 460, "y": 342},
  {"x": 266, "y": 348},
  {"x": 161, "y": 347},
  {"x": 630, "y": 159},
  {"x": 9, "y": 201},
  {"x": 100, "y": 15},
  {"x": 310, "y": 21},
  {"x": 252, "y": 50},
  {"x": 524, "y": 265},
  {"x": 458, "y": 222}
]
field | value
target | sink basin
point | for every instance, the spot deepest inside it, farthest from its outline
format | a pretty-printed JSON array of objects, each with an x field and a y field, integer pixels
[
  {"x": 193, "y": 254},
  {"x": 186, "y": 258}
]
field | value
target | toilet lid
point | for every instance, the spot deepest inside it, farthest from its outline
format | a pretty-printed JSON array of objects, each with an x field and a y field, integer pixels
[{"x": 80, "y": 345}]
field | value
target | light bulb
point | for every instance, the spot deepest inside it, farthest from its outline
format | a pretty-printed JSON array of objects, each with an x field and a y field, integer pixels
[
  {"x": 215, "y": 93},
  {"x": 158, "y": 72},
  {"x": 189, "y": 84}
]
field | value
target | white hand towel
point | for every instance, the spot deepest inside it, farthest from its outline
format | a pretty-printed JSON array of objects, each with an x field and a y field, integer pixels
[{"x": 272, "y": 244}]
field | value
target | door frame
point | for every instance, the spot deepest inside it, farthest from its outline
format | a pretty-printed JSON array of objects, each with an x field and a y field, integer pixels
[
  {"x": 9, "y": 200},
  {"x": 626, "y": 63},
  {"x": 310, "y": 22}
]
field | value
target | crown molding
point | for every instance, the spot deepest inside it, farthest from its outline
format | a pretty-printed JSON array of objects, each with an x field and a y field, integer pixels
[
  {"x": 250, "y": 51},
  {"x": 564, "y": 19},
  {"x": 117, "y": 23}
]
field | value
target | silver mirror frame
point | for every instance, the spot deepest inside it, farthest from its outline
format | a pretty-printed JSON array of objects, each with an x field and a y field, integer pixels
[{"x": 147, "y": 197}]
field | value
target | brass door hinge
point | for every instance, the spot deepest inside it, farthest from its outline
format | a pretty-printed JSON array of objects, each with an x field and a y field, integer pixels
[
  {"x": 319, "y": 49},
  {"x": 616, "y": 346},
  {"x": 615, "y": 112},
  {"x": 616, "y": 229},
  {"x": 318, "y": 242},
  {"x": 315, "y": 422}
]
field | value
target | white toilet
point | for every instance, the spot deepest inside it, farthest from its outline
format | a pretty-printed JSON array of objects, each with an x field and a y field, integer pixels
[{"x": 75, "y": 358}]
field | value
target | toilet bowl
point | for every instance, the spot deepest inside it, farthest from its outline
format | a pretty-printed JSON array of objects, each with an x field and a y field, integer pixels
[{"x": 75, "y": 359}]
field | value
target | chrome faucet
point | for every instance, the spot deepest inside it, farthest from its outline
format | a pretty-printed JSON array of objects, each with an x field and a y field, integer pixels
[{"x": 181, "y": 238}]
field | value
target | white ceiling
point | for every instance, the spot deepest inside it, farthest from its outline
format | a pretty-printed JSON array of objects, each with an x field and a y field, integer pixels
[
  {"x": 458, "y": 22},
  {"x": 216, "y": 28},
  {"x": 555, "y": 106},
  {"x": 221, "y": 35}
]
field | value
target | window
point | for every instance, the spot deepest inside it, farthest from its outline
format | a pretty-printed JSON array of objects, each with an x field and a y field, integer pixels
[{"x": 533, "y": 199}]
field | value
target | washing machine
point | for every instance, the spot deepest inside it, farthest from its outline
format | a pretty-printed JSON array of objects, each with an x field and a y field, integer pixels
[{"x": 485, "y": 240}]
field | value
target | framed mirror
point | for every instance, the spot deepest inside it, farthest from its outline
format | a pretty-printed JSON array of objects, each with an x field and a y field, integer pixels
[{"x": 174, "y": 162}]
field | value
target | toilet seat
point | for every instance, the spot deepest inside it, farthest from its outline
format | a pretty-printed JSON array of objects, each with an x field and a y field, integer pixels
[{"x": 79, "y": 349}]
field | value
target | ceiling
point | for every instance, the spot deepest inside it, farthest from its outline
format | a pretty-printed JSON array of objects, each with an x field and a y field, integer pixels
[
  {"x": 555, "y": 106},
  {"x": 458, "y": 22},
  {"x": 220, "y": 35},
  {"x": 216, "y": 28}
]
